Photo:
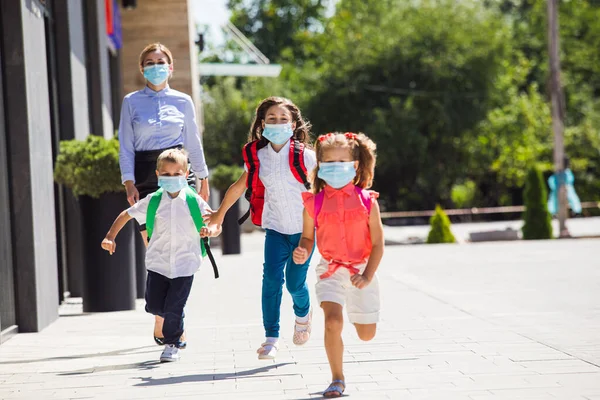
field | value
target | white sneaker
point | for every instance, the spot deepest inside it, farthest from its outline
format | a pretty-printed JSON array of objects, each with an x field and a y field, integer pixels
[
  {"x": 268, "y": 350},
  {"x": 170, "y": 353}
]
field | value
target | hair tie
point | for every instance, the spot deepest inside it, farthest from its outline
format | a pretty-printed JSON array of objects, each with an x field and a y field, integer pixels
[
  {"x": 323, "y": 138},
  {"x": 350, "y": 135}
]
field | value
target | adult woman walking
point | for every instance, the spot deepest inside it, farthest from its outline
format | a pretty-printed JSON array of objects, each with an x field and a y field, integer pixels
[{"x": 154, "y": 119}]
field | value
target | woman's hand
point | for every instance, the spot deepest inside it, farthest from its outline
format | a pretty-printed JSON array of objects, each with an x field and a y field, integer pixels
[
  {"x": 109, "y": 245},
  {"x": 133, "y": 196},
  {"x": 204, "y": 191}
]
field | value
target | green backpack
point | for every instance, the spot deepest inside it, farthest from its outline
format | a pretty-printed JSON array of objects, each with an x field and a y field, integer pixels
[{"x": 190, "y": 198}]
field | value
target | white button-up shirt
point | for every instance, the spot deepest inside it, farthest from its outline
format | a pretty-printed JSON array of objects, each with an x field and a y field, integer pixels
[
  {"x": 283, "y": 193},
  {"x": 174, "y": 250}
]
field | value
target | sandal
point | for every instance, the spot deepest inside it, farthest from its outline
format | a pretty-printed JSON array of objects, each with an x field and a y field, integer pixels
[
  {"x": 302, "y": 330},
  {"x": 268, "y": 351},
  {"x": 334, "y": 389}
]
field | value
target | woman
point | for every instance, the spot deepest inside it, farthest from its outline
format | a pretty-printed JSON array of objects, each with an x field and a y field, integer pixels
[{"x": 154, "y": 119}]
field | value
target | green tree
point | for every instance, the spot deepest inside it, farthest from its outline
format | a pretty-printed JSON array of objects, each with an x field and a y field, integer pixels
[
  {"x": 440, "y": 228},
  {"x": 537, "y": 218},
  {"x": 275, "y": 26}
]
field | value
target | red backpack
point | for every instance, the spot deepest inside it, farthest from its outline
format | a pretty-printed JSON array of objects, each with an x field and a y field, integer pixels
[{"x": 255, "y": 192}]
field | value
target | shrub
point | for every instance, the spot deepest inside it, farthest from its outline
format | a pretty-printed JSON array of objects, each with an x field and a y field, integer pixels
[
  {"x": 463, "y": 195},
  {"x": 440, "y": 228},
  {"x": 222, "y": 176},
  {"x": 537, "y": 219},
  {"x": 89, "y": 167}
]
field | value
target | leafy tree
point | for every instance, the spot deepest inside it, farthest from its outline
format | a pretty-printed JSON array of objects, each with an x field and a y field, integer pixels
[
  {"x": 275, "y": 26},
  {"x": 537, "y": 218}
]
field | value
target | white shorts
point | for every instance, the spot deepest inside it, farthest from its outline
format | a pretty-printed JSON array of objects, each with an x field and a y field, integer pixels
[{"x": 362, "y": 304}]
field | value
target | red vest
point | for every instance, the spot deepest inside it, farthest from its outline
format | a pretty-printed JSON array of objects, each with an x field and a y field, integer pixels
[{"x": 255, "y": 192}]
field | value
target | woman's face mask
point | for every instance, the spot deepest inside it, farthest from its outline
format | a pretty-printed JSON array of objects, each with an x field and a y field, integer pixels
[{"x": 156, "y": 74}]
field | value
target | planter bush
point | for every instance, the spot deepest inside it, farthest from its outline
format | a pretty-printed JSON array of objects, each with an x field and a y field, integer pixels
[
  {"x": 221, "y": 177},
  {"x": 538, "y": 222},
  {"x": 440, "y": 228},
  {"x": 90, "y": 168}
]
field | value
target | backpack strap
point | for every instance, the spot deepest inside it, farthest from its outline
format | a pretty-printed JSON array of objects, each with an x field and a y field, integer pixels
[
  {"x": 250, "y": 154},
  {"x": 190, "y": 198},
  {"x": 151, "y": 212},
  {"x": 319, "y": 197},
  {"x": 363, "y": 195},
  {"x": 297, "y": 162}
]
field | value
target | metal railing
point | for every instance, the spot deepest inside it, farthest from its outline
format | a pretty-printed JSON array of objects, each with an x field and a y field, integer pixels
[{"x": 470, "y": 211}]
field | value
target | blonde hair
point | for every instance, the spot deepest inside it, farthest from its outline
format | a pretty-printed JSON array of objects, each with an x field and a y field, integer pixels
[
  {"x": 151, "y": 48},
  {"x": 360, "y": 147},
  {"x": 174, "y": 156}
]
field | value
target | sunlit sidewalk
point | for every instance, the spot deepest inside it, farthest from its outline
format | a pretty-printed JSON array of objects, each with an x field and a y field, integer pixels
[{"x": 498, "y": 321}]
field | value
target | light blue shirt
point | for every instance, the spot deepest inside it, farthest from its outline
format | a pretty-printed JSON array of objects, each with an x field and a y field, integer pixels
[{"x": 158, "y": 120}]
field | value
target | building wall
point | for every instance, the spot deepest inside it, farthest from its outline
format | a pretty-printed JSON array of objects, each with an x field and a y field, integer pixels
[
  {"x": 154, "y": 21},
  {"x": 29, "y": 144}
]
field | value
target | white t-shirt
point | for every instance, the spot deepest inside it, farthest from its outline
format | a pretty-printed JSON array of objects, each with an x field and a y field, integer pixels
[
  {"x": 283, "y": 193},
  {"x": 174, "y": 250}
]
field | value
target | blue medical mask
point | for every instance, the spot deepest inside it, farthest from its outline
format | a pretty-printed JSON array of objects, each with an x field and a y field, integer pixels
[
  {"x": 337, "y": 174},
  {"x": 157, "y": 73},
  {"x": 278, "y": 133},
  {"x": 172, "y": 184}
]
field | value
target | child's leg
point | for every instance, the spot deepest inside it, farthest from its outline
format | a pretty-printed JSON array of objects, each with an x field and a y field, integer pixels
[
  {"x": 177, "y": 296},
  {"x": 157, "y": 287},
  {"x": 295, "y": 276},
  {"x": 366, "y": 332},
  {"x": 276, "y": 256},
  {"x": 334, "y": 322},
  {"x": 363, "y": 309}
]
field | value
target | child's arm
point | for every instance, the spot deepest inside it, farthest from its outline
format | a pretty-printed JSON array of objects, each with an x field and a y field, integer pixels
[
  {"x": 376, "y": 229},
  {"x": 235, "y": 191},
  {"x": 109, "y": 243},
  {"x": 307, "y": 242}
]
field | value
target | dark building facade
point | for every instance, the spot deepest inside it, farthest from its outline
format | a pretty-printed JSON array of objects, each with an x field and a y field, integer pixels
[{"x": 60, "y": 79}]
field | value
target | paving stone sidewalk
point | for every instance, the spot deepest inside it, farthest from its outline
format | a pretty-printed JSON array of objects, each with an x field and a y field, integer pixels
[{"x": 517, "y": 320}]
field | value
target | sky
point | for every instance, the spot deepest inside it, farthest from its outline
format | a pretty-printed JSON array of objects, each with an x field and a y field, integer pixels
[{"x": 213, "y": 13}]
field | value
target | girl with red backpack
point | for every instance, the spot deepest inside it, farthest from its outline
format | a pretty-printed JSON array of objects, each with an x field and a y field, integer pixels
[
  {"x": 350, "y": 236},
  {"x": 277, "y": 162}
]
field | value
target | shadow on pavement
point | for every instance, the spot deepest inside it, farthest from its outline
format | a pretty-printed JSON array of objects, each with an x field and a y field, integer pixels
[
  {"x": 208, "y": 377},
  {"x": 144, "y": 366},
  {"x": 75, "y": 357}
]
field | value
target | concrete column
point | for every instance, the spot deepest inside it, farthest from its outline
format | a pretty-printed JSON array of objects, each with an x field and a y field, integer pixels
[
  {"x": 172, "y": 25},
  {"x": 30, "y": 164},
  {"x": 98, "y": 69}
]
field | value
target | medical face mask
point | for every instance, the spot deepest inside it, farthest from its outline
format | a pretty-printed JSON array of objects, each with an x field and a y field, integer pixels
[
  {"x": 156, "y": 74},
  {"x": 337, "y": 174},
  {"x": 278, "y": 133},
  {"x": 172, "y": 184}
]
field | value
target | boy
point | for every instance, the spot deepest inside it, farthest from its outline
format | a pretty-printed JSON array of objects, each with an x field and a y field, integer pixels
[{"x": 174, "y": 250}]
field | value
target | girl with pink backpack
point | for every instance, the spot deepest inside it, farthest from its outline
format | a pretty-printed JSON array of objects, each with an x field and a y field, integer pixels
[{"x": 350, "y": 237}]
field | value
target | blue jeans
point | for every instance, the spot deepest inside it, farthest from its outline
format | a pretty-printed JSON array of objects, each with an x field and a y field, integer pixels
[{"x": 278, "y": 257}]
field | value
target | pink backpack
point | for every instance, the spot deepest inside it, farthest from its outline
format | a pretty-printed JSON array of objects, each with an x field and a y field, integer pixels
[{"x": 363, "y": 194}]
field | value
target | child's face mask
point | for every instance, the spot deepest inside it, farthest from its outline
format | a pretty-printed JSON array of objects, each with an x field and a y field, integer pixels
[
  {"x": 172, "y": 184},
  {"x": 278, "y": 133},
  {"x": 337, "y": 174}
]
